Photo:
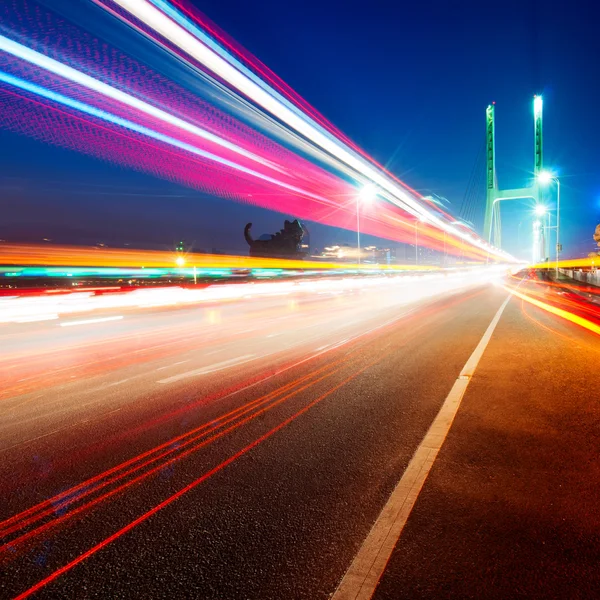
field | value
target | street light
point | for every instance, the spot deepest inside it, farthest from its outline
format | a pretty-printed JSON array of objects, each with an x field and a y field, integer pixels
[
  {"x": 540, "y": 210},
  {"x": 180, "y": 261},
  {"x": 365, "y": 196},
  {"x": 545, "y": 177}
]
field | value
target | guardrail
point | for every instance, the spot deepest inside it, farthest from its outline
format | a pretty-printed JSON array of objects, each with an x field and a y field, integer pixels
[{"x": 589, "y": 277}]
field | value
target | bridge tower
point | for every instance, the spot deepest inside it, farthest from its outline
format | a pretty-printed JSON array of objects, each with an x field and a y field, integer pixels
[{"x": 491, "y": 226}]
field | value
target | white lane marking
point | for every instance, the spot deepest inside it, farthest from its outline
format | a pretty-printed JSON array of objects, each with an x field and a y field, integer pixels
[
  {"x": 35, "y": 318},
  {"x": 71, "y": 426},
  {"x": 101, "y": 320},
  {"x": 206, "y": 370},
  {"x": 362, "y": 577},
  {"x": 173, "y": 364},
  {"x": 117, "y": 382},
  {"x": 332, "y": 346}
]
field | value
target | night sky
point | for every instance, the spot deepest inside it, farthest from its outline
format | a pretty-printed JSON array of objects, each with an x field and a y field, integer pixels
[{"x": 408, "y": 82}]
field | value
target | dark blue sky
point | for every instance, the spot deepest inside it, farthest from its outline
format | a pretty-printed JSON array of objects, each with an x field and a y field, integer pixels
[{"x": 409, "y": 82}]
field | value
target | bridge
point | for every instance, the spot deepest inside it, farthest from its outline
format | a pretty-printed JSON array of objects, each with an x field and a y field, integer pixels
[{"x": 415, "y": 420}]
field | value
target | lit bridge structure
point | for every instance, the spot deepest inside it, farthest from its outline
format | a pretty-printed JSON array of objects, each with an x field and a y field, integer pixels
[{"x": 492, "y": 229}]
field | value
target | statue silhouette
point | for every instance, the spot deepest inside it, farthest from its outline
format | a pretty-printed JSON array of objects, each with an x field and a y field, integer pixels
[{"x": 284, "y": 244}]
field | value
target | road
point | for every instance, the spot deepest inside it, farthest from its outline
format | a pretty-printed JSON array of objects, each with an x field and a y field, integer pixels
[{"x": 244, "y": 449}]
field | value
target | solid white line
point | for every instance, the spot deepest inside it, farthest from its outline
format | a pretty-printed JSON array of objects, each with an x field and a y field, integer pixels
[
  {"x": 205, "y": 370},
  {"x": 362, "y": 577},
  {"x": 102, "y": 320}
]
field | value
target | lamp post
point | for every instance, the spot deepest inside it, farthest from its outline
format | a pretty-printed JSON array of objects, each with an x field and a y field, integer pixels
[
  {"x": 546, "y": 177},
  {"x": 536, "y": 241},
  {"x": 417, "y": 221},
  {"x": 366, "y": 195},
  {"x": 416, "y": 242},
  {"x": 540, "y": 211}
]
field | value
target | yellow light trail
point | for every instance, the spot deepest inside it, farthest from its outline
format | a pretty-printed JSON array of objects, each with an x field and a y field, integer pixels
[
  {"x": 80, "y": 256},
  {"x": 569, "y": 264},
  {"x": 564, "y": 314}
]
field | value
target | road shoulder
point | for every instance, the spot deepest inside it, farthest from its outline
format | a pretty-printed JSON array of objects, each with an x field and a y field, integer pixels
[{"x": 510, "y": 506}]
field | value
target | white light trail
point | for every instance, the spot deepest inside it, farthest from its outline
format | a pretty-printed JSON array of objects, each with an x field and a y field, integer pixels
[
  {"x": 53, "y": 66},
  {"x": 151, "y": 133},
  {"x": 180, "y": 37},
  {"x": 403, "y": 288}
]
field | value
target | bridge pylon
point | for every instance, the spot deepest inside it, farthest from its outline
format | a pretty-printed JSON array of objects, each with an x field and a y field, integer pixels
[{"x": 492, "y": 230}]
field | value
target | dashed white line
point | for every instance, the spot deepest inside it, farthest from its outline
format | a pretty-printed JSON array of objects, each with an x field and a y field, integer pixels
[
  {"x": 117, "y": 382},
  {"x": 87, "y": 321},
  {"x": 172, "y": 365},
  {"x": 211, "y": 369}
]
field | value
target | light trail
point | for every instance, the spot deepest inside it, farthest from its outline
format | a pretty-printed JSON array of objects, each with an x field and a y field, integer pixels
[
  {"x": 204, "y": 145},
  {"x": 27, "y": 593},
  {"x": 218, "y": 64},
  {"x": 15, "y": 309},
  {"x": 71, "y": 74},
  {"x": 85, "y": 256},
  {"x": 559, "y": 312},
  {"x": 571, "y": 263},
  {"x": 111, "y": 118},
  {"x": 172, "y": 451}
]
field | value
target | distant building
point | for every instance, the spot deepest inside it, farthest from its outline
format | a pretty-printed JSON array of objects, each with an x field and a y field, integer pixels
[{"x": 368, "y": 254}]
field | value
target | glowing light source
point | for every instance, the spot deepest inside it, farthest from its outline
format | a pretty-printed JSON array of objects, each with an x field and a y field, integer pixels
[
  {"x": 540, "y": 210},
  {"x": 545, "y": 177},
  {"x": 368, "y": 193},
  {"x": 180, "y": 261}
]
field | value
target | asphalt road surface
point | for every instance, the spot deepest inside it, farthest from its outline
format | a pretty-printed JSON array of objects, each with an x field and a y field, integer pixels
[{"x": 245, "y": 449}]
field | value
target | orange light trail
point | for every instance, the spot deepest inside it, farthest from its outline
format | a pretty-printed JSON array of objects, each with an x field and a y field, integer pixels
[{"x": 81, "y": 256}]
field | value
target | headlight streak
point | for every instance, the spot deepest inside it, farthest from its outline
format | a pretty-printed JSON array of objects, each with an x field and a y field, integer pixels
[
  {"x": 24, "y": 309},
  {"x": 105, "y": 116},
  {"x": 195, "y": 48},
  {"x": 84, "y": 80},
  {"x": 305, "y": 189},
  {"x": 90, "y": 321}
]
